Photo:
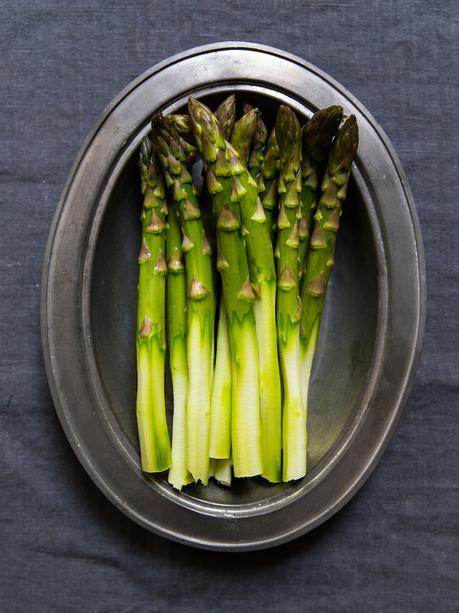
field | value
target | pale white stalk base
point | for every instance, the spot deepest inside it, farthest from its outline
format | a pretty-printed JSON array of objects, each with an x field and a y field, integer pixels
[
  {"x": 223, "y": 472},
  {"x": 198, "y": 399},
  {"x": 151, "y": 408},
  {"x": 245, "y": 405},
  {"x": 220, "y": 416},
  {"x": 294, "y": 437},
  {"x": 270, "y": 385},
  {"x": 178, "y": 473},
  {"x": 212, "y": 467}
]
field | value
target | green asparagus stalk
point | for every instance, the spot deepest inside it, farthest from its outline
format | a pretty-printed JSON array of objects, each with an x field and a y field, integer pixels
[
  {"x": 243, "y": 133},
  {"x": 226, "y": 115},
  {"x": 318, "y": 134},
  {"x": 200, "y": 295},
  {"x": 270, "y": 174},
  {"x": 220, "y": 427},
  {"x": 288, "y": 135},
  {"x": 320, "y": 258},
  {"x": 154, "y": 440},
  {"x": 220, "y": 421},
  {"x": 176, "y": 333},
  {"x": 223, "y": 168},
  {"x": 235, "y": 190},
  {"x": 220, "y": 430}
]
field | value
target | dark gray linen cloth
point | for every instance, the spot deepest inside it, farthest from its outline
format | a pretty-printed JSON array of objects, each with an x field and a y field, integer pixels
[{"x": 63, "y": 546}]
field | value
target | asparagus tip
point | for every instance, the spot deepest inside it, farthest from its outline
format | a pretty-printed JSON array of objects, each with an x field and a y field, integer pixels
[
  {"x": 320, "y": 130},
  {"x": 226, "y": 115},
  {"x": 288, "y": 134},
  {"x": 345, "y": 144}
]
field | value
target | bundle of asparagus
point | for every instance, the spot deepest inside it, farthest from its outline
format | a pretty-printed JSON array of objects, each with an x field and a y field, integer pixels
[{"x": 272, "y": 213}]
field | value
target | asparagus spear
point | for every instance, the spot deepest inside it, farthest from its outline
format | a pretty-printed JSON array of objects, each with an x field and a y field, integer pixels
[
  {"x": 220, "y": 416},
  {"x": 220, "y": 426},
  {"x": 288, "y": 135},
  {"x": 223, "y": 167},
  {"x": 233, "y": 184},
  {"x": 151, "y": 334},
  {"x": 318, "y": 134},
  {"x": 226, "y": 115},
  {"x": 220, "y": 432},
  {"x": 270, "y": 174},
  {"x": 243, "y": 133},
  {"x": 200, "y": 294},
  {"x": 320, "y": 260},
  {"x": 176, "y": 333}
]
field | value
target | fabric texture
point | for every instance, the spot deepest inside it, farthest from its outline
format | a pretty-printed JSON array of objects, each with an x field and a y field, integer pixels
[{"x": 64, "y": 547}]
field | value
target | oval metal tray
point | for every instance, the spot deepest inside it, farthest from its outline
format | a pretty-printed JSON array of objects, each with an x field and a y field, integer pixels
[{"x": 370, "y": 338}]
